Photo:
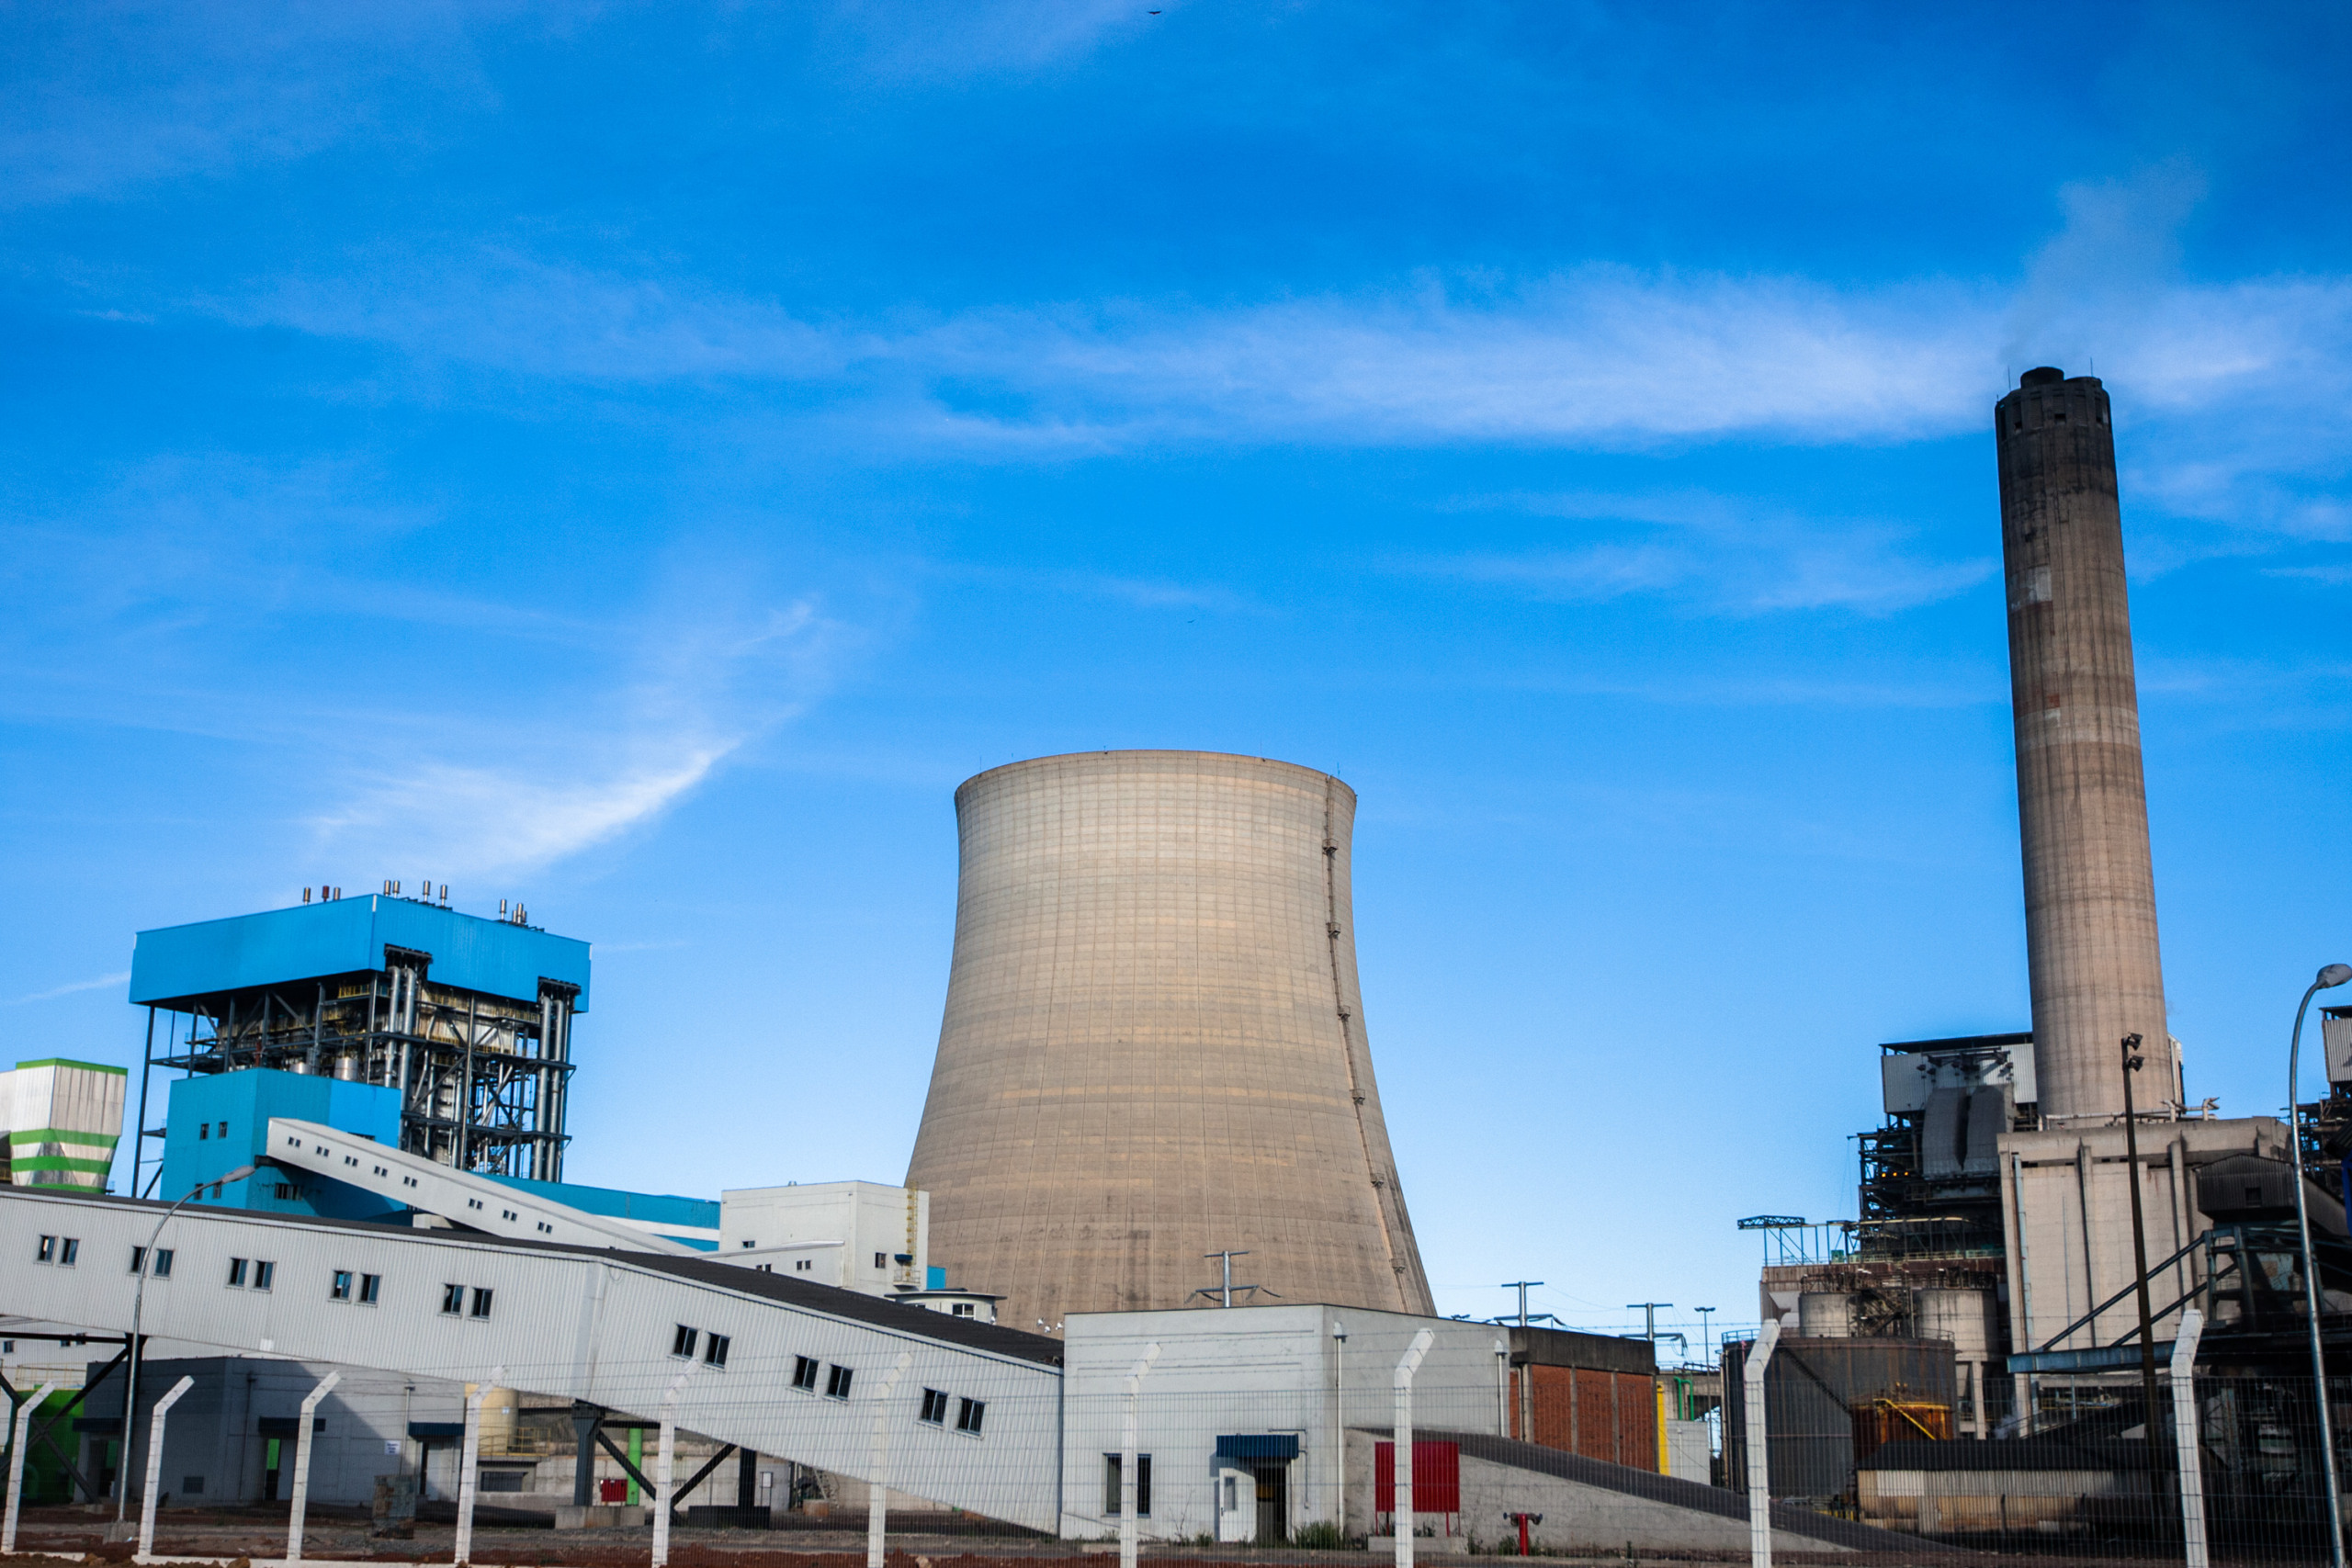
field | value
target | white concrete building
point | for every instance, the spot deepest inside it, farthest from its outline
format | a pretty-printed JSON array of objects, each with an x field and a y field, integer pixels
[
  {"x": 1257, "y": 1396},
  {"x": 855, "y": 1236}
]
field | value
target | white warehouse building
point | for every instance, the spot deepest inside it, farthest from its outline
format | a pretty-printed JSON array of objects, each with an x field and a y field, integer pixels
[{"x": 1260, "y": 1423}]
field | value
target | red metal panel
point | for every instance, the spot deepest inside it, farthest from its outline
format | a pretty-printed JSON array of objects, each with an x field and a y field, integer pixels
[{"x": 1436, "y": 1477}]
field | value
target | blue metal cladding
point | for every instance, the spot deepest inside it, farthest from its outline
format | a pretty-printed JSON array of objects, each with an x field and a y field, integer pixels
[
  {"x": 654, "y": 1208},
  {"x": 218, "y": 1121},
  {"x": 1259, "y": 1444},
  {"x": 348, "y": 936}
]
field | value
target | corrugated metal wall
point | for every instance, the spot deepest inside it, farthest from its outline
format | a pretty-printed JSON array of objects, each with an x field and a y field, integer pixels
[
  {"x": 1811, "y": 1387},
  {"x": 1603, "y": 1416}
]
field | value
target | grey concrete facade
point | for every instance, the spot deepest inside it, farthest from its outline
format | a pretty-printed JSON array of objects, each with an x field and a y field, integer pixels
[
  {"x": 1154, "y": 1043},
  {"x": 2090, "y": 903},
  {"x": 2066, "y": 1194}
]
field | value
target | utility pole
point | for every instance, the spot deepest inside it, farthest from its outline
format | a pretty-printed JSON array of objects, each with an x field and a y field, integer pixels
[
  {"x": 1706, "y": 1354},
  {"x": 1223, "y": 1295},
  {"x": 1649, "y": 1321},
  {"x": 2132, "y": 1063},
  {"x": 1522, "y": 1286}
]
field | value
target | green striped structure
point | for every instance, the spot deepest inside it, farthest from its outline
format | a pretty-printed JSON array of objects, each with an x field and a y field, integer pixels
[{"x": 51, "y": 1092}]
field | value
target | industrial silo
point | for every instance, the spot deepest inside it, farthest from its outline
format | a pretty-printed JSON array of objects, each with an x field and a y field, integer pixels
[{"x": 1154, "y": 1045}]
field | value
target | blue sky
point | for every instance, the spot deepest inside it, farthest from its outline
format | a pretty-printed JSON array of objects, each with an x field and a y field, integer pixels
[{"x": 638, "y": 460}]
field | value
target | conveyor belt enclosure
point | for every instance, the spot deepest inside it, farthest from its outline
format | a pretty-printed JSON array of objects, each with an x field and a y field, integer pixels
[{"x": 577, "y": 1323}]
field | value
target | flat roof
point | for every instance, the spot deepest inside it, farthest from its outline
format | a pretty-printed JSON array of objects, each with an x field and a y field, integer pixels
[
  {"x": 1960, "y": 1043},
  {"x": 176, "y": 966}
]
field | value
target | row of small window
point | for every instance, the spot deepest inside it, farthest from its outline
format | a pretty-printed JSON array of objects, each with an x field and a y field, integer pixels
[
  {"x": 969, "y": 1412},
  {"x": 453, "y": 1300},
  {"x": 343, "y": 1284},
  {"x": 714, "y": 1346},
  {"x": 203, "y": 1130}
]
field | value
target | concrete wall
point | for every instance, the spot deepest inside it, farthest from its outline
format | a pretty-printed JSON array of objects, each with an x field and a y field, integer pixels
[
  {"x": 1576, "y": 1516},
  {"x": 1154, "y": 1043},
  {"x": 2070, "y": 1187},
  {"x": 866, "y": 1219},
  {"x": 1267, "y": 1370}
]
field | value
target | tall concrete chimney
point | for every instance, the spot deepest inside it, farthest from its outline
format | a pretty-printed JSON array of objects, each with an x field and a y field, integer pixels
[{"x": 2090, "y": 899}]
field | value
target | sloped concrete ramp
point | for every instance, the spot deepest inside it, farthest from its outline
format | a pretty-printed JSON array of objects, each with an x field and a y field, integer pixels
[{"x": 1589, "y": 1504}]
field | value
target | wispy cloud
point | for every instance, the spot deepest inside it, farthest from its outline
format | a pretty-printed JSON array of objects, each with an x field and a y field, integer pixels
[
  {"x": 1715, "y": 551},
  {"x": 695, "y": 697},
  {"x": 1598, "y": 357},
  {"x": 108, "y": 96},
  {"x": 99, "y": 984},
  {"x": 1140, "y": 592},
  {"x": 521, "y": 729},
  {"x": 1602, "y": 355},
  {"x": 969, "y": 38}
]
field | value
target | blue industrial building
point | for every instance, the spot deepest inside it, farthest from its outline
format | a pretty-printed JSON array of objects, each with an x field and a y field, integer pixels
[
  {"x": 220, "y": 1122},
  {"x": 465, "y": 1021},
  {"x": 392, "y": 1018},
  {"x": 177, "y": 966}
]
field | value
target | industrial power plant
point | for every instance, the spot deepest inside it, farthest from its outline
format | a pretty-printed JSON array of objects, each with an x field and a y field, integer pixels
[
  {"x": 1150, "y": 1275},
  {"x": 2047, "y": 1220}
]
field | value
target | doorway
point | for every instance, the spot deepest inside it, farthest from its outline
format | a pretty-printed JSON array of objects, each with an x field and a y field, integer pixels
[{"x": 1273, "y": 1504}]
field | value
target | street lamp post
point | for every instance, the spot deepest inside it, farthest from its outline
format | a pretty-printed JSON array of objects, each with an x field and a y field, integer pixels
[
  {"x": 2333, "y": 974},
  {"x": 138, "y": 1310}
]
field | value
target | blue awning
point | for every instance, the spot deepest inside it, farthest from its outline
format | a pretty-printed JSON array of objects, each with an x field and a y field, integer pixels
[
  {"x": 1259, "y": 1444},
  {"x": 2104, "y": 1359}
]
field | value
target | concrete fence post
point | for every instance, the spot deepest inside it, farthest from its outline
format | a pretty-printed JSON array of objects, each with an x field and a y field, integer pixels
[
  {"x": 665, "y": 1460},
  {"x": 877, "y": 1498},
  {"x": 2187, "y": 1441},
  {"x": 302, "y": 1465},
  {"x": 1401, "y": 1505},
  {"x": 155, "y": 1466},
  {"x": 470, "y": 1467},
  {"x": 1129, "y": 1480},
  {"x": 24, "y": 1435},
  {"x": 1759, "y": 1459}
]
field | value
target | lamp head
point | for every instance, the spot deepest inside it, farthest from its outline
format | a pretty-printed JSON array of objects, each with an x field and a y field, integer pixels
[
  {"x": 237, "y": 1175},
  {"x": 1339, "y": 1331},
  {"x": 2334, "y": 974}
]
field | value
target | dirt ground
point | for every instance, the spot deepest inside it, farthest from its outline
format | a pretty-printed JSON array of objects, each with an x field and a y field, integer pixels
[{"x": 342, "y": 1535}]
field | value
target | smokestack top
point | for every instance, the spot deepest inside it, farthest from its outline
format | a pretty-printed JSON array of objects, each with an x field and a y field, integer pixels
[{"x": 2044, "y": 375}]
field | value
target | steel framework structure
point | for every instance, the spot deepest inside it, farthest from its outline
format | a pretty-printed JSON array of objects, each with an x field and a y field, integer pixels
[{"x": 483, "y": 1079}]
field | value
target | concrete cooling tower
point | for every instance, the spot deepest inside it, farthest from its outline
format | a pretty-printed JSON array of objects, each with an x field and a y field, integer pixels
[
  {"x": 1154, "y": 1046},
  {"x": 2090, "y": 899}
]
